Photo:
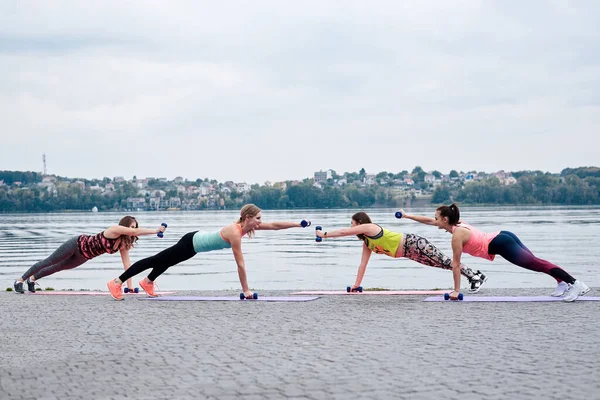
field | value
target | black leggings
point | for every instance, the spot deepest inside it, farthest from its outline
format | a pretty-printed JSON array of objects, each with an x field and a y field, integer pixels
[
  {"x": 179, "y": 252},
  {"x": 508, "y": 245}
]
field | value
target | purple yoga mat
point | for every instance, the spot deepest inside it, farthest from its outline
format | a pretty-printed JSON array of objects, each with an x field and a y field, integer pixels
[
  {"x": 223, "y": 298},
  {"x": 509, "y": 299}
]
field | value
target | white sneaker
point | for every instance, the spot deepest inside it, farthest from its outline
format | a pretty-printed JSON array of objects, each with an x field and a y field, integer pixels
[
  {"x": 576, "y": 289},
  {"x": 561, "y": 289}
]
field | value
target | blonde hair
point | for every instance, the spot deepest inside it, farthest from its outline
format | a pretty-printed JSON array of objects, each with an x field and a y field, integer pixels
[{"x": 248, "y": 211}]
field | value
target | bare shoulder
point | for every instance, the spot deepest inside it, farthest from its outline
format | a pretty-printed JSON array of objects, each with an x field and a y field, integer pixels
[
  {"x": 371, "y": 229},
  {"x": 231, "y": 232},
  {"x": 461, "y": 233},
  {"x": 227, "y": 229}
]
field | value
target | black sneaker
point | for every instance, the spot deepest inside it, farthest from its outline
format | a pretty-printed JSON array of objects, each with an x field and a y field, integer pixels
[
  {"x": 30, "y": 286},
  {"x": 477, "y": 281},
  {"x": 19, "y": 287}
]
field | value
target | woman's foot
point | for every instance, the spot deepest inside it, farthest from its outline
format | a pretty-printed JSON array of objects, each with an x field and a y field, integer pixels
[
  {"x": 576, "y": 289},
  {"x": 30, "y": 286},
  {"x": 561, "y": 289},
  {"x": 116, "y": 290},
  {"x": 477, "y": 281},
  {"x": 148, "y": 287},
  {"x": 19, "y": 287}
]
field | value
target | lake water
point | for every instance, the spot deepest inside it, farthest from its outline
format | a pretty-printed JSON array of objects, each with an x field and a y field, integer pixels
[{"x": 291, "y": 259}]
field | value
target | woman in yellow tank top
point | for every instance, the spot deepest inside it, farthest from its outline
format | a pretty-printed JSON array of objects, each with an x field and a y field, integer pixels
[{"x": 414, "y": 247}]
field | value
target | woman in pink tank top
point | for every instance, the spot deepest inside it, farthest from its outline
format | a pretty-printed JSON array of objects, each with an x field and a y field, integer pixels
[
  {"x": 467, "y": 239},
  {"x": 82, "y": 248}
]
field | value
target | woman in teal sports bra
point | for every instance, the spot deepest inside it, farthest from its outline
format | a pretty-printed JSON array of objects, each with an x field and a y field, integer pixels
[{"x": 192, "y": 243}]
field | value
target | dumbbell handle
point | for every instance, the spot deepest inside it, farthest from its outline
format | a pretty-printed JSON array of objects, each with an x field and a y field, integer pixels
[
  {"x": 160, "y": 234},
  {"x": 318, "y": 228}
]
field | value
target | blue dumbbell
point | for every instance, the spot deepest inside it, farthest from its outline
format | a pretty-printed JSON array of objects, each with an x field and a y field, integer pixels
[
  {"x": 254, "y": 296},
  {"x": 305, "y": 223},
  {"x": 447, "y": 296},
  {"x": 160, "y": 234},
  {"x": 398, "y": 214},
  {"x": 127, "y": 290},
  {"x": 318, "y": 228},
  {"x": 358, "y": 289}
]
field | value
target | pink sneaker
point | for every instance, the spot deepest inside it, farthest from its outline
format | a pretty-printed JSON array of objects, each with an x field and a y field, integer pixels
[
  {"x": 148, "y": 288},
  {"x": 115, "y": 290}
]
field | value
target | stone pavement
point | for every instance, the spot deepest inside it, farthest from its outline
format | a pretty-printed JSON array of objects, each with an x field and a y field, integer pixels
[{"x": 336, "y": 347}]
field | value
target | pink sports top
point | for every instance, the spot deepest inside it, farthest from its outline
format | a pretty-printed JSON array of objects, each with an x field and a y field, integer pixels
[
  {"x": 95, "y": 245},
  {"x": 478, "y": 243}
]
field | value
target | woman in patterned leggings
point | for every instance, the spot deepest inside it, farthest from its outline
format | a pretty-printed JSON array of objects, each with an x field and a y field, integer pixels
[{"x": 414, "y": 247}]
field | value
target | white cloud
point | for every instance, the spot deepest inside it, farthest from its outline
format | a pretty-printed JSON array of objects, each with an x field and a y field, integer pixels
[{"x": 273, "y": 91}]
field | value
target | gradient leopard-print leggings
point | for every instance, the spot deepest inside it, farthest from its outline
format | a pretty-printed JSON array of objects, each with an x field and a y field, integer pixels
[{"x": 419, "y": 249}]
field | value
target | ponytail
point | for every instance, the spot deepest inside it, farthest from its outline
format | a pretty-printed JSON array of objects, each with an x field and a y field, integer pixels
[{"x": 451, "y": 212}]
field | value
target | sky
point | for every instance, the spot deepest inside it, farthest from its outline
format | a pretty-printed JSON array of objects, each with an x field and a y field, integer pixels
[{"x": 270, "y": 90}]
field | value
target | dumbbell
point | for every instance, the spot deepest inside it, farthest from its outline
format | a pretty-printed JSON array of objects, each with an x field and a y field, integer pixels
[
  {"x": 160, "y": 234},
  {"x": 358, "y": 289},
  {"x": 318, "y": 228},
  {"x": 304, "y": 223},
  {"x": 447, "y": 296},
  {"x": 254, "y": 296},
  {"x": 398, "y": 214},
  {"x": 127, "y": 290}
]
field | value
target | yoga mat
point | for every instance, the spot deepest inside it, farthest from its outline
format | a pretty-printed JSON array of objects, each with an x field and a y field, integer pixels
[
  {"x": 86, "y": 293},
  {"x": 369, "y": 292},
  {"x": 509, "y": 299},
  {"x": 224, "y": 298}
]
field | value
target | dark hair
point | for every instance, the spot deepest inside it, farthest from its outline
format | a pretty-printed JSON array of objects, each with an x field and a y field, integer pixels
[
  {"x": 127, "y": 242},
  {"x": 362, "y": 218},
  {"x": 451, "y": 212}
]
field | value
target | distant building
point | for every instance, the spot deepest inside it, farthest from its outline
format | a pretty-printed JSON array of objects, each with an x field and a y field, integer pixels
[
  {"x": 242, "y": 187},
  {"x": 174, "y": 202},
  {"x": 322, "y": 176},
  {"x": 136, "y": 203}
]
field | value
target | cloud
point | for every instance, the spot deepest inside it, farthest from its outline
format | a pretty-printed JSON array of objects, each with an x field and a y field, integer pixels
[{"x": 273, "y": 91}]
